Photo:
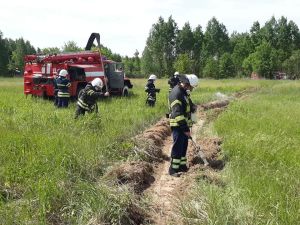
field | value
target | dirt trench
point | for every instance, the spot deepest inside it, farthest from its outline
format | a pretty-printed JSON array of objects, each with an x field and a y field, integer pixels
[
  {"x": 166, "y": 190},
  {"x": 149, "y": 176}
]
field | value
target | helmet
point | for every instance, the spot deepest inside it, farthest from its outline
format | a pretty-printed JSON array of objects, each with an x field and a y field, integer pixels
[
  {"x": 193, "y": 79},
  {"x": 183, "y": 79},
  {"x": 176, "y": 73},
  {"x": 97, "y": 83},
  {"x": 152, "y": 77},
  {"x": 63, "y": 73}
]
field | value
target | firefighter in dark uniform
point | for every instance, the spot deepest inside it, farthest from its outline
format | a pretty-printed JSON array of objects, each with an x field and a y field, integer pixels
[
  {"x": 173, "y": 81},
  {"x": 181, "y": 107},
  {"x": 55, "y": 89},
  {"x": 87, "y": 97},
  {"x": 63, "y": 85},
  {"x": 151, "y": 90}
]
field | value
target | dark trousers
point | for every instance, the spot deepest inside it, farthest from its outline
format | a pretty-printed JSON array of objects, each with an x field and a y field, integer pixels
[
  {"x": 180, "y": 143},
  {"x": 63, "y": 102},
  {"x": 55, "y": 98},
  {"x": 79, "y": 111}
]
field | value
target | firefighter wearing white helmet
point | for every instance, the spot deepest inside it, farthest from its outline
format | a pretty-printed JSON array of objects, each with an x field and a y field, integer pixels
[
  {"x": 181, "y": 107},
  {"x": 87, "y": 97},
  {"x": 62, "y": 85},
  {"x": 193, "y": 79},
  {"x": 173, "y": 81},
  {"x": 151, "y": 90}
]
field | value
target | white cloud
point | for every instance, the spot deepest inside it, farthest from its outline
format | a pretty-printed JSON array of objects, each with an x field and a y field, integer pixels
[{"x": 124, "y": 25}]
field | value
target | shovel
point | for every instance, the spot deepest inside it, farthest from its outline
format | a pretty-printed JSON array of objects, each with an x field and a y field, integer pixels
[{"x": 201, "y": 154}]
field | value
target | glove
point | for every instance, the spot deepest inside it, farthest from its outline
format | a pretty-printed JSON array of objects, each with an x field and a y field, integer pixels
[{"x": 193, "y": 108}]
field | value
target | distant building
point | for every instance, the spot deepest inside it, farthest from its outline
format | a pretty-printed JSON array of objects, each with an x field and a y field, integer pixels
[
  {"x": 279, "y": 75},
  {"x": 255, "y": 76}
]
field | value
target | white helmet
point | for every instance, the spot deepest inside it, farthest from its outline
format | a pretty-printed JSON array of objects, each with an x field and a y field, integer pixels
[
  {"x": 176, "y": 73},
  {"x": 193, "y": 79},
  {"x": 97, "y": 83},
  {"x": 152, "y": 77},
  {"x": 63, "y": 73}
]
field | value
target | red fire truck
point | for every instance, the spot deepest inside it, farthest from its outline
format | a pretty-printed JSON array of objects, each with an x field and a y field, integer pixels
[{"x": 41, "y": 70}]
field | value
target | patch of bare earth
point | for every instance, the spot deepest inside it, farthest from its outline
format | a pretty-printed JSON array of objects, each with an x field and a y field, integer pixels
[
  {"x": 166, "y": 190},
  {"x": 149, "y": 176}
]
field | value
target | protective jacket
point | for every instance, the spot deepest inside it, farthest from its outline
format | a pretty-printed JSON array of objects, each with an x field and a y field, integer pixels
[
  {"x": 173, "y": 81},
  {"x": 63, "y": 85},
  {"x": 55, "y": 86},
  {"x": 87, "y": 97},
  {"x": 150, "y": 89},
  {"x": 181, "y": 107}
]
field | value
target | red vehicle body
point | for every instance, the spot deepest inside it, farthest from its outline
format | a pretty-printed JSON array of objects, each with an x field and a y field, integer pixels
[{"x": 41, "y": 70}]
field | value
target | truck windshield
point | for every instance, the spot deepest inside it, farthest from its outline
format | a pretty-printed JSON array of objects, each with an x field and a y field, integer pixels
[{"x": 119, "y": 67}]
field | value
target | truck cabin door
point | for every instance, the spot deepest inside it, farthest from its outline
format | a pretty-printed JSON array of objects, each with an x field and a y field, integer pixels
[
  {"x": 76, "y": 76},
  {"x": 115, "y": 74}
]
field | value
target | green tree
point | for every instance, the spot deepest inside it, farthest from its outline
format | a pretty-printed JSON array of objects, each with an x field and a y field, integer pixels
[
  {"x": 255, "y": 34},
  {"x": 22, "y": 48},
  {"x": 147, "y": 62},
  {"x": 198, "y": 55},
  {"x": 216, "y": 39},
  {"x": 264, "y": 61},
  {"x": 269, "y": 32},
  {"x": 226, "y": 66},
  {"x": 50, "y": 50},
  {"x": 71, "y": 46},
  {"x": 292, "y": 65},
  {"x": 183, "y": 63},
  {"x": 137, "y": 63},
  {"x": 4, "y": 56},
  {"x": 160, "y": 48},
  {"x": 185, "y": 40},
  {"x": 242, "y": 48},
  {"x": 211, "y": 69}
]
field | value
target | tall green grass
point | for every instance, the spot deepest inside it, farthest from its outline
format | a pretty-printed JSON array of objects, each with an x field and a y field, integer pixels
[
  {"x": 261, "y": 141},
  {"x": 51, "y": 165}
]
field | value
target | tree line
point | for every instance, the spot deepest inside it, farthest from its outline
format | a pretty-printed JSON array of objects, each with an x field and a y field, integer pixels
[
  {"x": 212, "y": 53},
  {"x": 264, "y": 50}
]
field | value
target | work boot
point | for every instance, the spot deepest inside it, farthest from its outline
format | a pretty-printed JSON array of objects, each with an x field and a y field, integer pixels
[
  {"x": 173, "y": 172},
  {"x": 183, "y": 168}
]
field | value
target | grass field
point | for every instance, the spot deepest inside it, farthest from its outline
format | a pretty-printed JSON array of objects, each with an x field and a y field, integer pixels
[
  {"x": 262, "y": 177},
  {"x": 51, "y": 166}
]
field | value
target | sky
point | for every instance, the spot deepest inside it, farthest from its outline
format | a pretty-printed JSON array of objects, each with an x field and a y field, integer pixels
[{"x": 125, "y": 25}]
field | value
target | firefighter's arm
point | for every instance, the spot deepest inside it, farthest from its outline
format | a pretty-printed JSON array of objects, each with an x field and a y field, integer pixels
[
  {"x": 147, "y": 88},
  {"x": 94, "y": 94},
  {"x": 193, "y": 106},
  {"x": 178, "y": 114}
]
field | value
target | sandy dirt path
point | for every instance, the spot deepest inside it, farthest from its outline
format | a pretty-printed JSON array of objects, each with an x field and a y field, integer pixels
[{"x": 164, "y": 191}]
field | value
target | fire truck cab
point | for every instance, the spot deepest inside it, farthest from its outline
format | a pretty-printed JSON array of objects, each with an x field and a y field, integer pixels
[{"x": 41, "y": 70}]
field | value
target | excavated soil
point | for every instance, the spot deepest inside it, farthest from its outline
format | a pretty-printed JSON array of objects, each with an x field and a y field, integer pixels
[
  {"x": 165, "y": 191},
  {"x": 149, "y": 176}
]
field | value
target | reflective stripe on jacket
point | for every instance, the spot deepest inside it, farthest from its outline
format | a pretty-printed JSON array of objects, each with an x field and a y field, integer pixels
[
  {"x": 179, "y": 108},
  {"x": 63, "y": 85},
  {"x": 88, "y": 97}
]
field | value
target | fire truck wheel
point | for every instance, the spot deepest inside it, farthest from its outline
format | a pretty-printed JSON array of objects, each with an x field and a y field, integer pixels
[{"x": 125, "y": 91}]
